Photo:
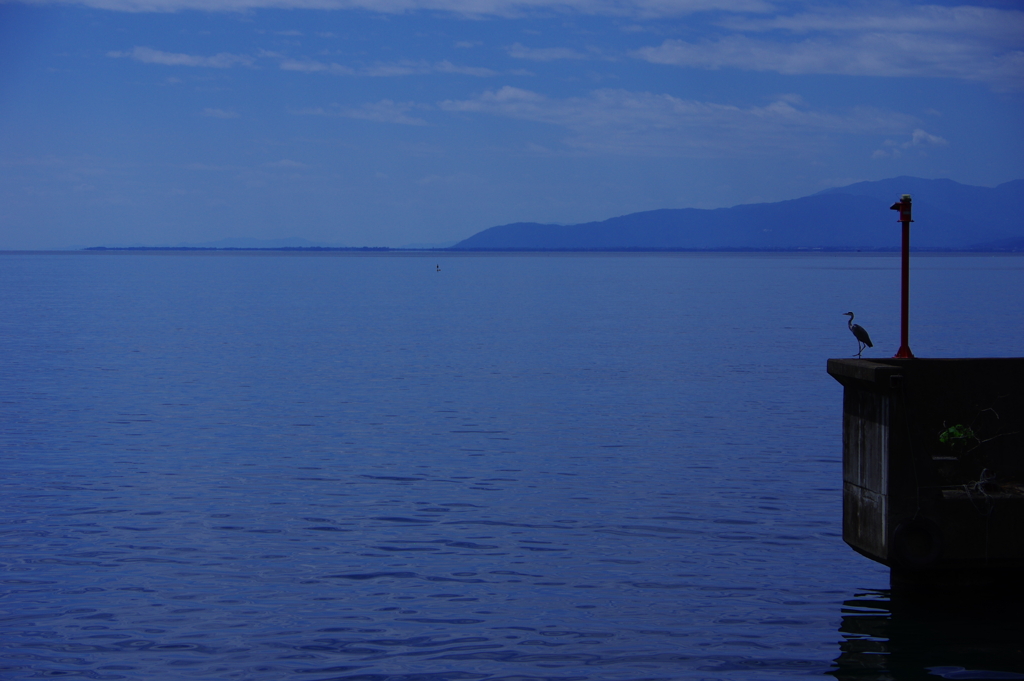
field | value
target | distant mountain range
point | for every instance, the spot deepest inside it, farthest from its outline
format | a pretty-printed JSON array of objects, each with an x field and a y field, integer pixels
[
  {"x": 295, "y": 243},
  {"x": 947, "y": 215},
  {"x": 251, "y": 244}
]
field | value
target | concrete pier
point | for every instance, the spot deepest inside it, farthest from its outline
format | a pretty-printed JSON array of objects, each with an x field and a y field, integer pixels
[{"x": 933, "y": 468}]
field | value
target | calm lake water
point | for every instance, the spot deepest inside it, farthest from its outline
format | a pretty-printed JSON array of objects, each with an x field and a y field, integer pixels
[{"x": 519, "y": 467}]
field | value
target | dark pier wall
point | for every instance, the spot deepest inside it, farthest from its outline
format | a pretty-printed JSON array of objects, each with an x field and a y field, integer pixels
[{"x": 933, "y": 466}]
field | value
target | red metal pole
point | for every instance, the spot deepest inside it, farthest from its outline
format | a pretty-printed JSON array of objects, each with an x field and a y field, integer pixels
[{"x": 904, "y": 351}]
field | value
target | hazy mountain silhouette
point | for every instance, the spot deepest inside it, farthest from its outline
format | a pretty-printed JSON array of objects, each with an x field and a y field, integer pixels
[
  {"x": 947, "y": 214},
  {"x": 250, "y": 242}
]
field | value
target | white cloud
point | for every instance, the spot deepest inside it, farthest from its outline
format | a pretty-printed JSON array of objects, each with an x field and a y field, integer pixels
[
  {"x": 434, "y": 179},
  {"x": 638, "y": 8},
  {"x": 148, "y": 55},
  {"x": 994, "y": 25},
  {"x": 620, "y": 121},
  {"x": 918, "y": 138},
  {"x": 285, "y": 163},
  {"x": 225, "y": 60},
  {"x": 219, "y": 113},
  {"x": 518, "y": 51},
  {"x": 448, "y": 67},
  {"x": 385, "y": 69},
  {"x": 969, "y": 43},
  {"x": 866, "y": 55},
  {"x": 921, "y": 138},
  {"x": 308, "y": 66},
  {"x": 412, "y": 68},
  {"x": 211, "y": 168},
  {"x": 489, "y": 100},
  {"x": 393, "y": 69},
  {"x": 384, "y": 111}
]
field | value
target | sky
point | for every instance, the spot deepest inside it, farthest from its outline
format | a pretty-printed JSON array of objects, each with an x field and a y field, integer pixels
[{"x": 413, "y": 122}]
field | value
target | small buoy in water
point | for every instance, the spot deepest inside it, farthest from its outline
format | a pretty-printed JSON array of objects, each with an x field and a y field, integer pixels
[{"x": 438, "y": 268}]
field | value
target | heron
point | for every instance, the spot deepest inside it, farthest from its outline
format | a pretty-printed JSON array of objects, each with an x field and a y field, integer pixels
[{"x": 860, "y": 334}]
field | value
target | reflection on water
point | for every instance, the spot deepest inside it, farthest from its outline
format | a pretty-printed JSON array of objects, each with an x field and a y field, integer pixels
[{"x": 902, "y": 637}]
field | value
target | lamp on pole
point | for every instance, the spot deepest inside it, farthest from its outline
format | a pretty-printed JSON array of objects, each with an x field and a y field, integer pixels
[{"x": 903, "y": 206}]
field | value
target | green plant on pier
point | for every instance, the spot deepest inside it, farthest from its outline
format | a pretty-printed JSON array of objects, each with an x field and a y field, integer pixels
[
  {"x": 958, "y": 437},
  {"x": 958, "y": 432}
]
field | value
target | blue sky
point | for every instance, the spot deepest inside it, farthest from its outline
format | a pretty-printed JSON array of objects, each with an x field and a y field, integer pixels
[{"x": 395, "y": 122}]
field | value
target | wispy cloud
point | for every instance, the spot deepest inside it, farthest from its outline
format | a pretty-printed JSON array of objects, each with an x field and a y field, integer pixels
[
  {"x": 310, "y": 66},
  {"x": 633, "y": 8},
  {"x": 866, "y": 55},
  {"x": 620, "y": 121},
  {"x": 969, "y": 43},
  {"x": 285, "y": 163},
  {"x": 210, "y": 168},
  {"x": 918, "y": 138},
  {"x": 965, "y": 20},
  {"x": 386, "y": 69},
  {"x": 223, "y": 60},
  {"x": 457, "y": 178},
  {"x": 219, "y": 113},
  {"x": 519, "y": 51},
  {"x": 148, "y": 55},
  {"x": 448, "y": 67},
  {"x": 384, "y": 111}
]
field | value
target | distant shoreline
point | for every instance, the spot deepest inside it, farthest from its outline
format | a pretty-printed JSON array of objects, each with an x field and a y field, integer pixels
[{"x": 384, "y": 250}]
